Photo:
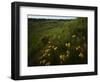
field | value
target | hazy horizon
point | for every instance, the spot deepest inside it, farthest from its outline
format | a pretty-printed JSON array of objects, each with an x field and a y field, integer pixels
[{"x": 50, "y": 17}]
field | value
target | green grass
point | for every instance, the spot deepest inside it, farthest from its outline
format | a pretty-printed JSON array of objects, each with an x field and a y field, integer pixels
[{"x": 57, "y": 42}]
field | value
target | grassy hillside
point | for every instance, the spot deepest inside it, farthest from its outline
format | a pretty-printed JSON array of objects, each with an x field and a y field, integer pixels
[{"x": 57, "y": 42}]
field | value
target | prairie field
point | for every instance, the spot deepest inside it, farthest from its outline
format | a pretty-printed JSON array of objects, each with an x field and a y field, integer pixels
[{"x": 57, "y": 41}]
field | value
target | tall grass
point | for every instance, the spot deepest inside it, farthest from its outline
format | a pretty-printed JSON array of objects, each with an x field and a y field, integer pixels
[{"x": 57, "y": 42}]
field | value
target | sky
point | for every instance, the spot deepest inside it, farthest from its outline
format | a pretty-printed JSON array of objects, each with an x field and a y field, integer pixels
[{"x": 50, "y": 17}]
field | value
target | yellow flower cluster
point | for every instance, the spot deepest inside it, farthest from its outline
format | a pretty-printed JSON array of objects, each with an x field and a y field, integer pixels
[
  {"x": 47, "y": 50},
  {"x": 63, "y": 57},
  {"x": 81, "y": 55},
  {"x": 78, "y": 47},
  {"x": 73, "y": 36},
  {"x": 49, "y": 54},
  {"x": 46, "y": 53},
  {"x": 68, "y": 44},
  {"x": 55, "y": 48},
  {"x": 43, "y": 61}
]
